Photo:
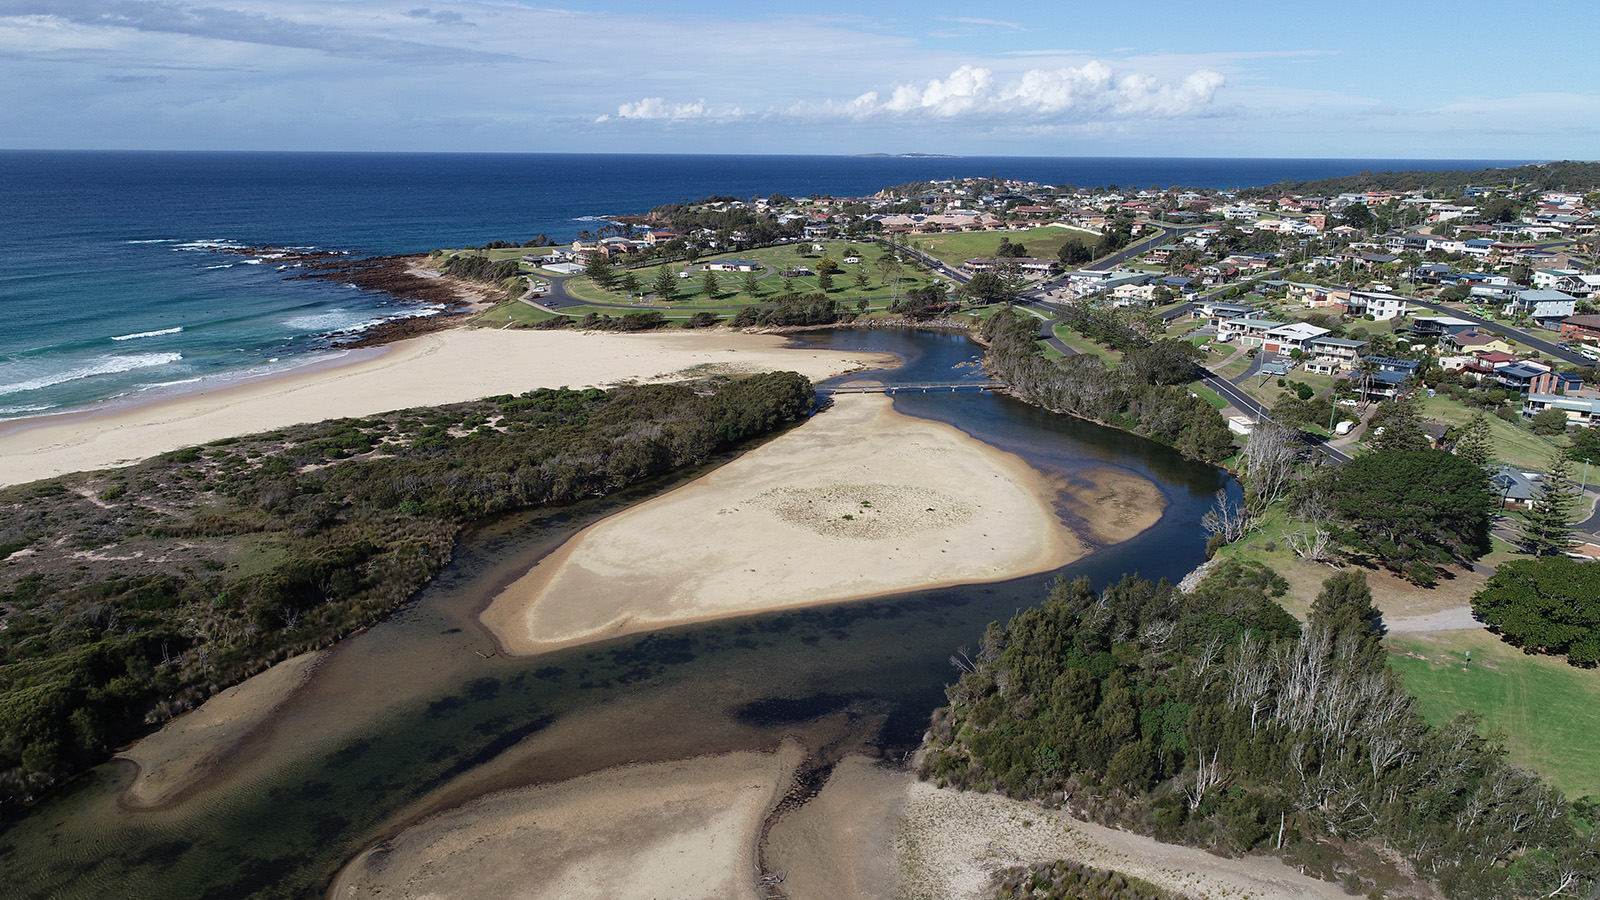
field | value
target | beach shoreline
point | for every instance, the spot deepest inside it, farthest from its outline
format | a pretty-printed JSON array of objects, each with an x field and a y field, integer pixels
[{"x": 449, "y": 366}]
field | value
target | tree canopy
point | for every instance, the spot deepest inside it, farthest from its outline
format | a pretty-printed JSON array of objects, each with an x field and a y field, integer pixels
[
  {"x": 1547, "y": 605},
  {"x": 1411, "y": 509}
]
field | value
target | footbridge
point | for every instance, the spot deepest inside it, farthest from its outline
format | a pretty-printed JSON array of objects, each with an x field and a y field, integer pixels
[{"x": 937, "y": 387}]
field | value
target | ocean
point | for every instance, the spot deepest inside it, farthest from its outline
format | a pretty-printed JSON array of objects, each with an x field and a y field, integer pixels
[{"x": 115, "y": 284}]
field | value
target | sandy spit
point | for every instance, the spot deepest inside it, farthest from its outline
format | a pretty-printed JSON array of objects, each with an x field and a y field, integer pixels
[
  {"x": 859, "y": 502},
  {"x": 445, "y": 367},
  {"x": 685, "y": 830},
  {"x": 176, "y": 756}
]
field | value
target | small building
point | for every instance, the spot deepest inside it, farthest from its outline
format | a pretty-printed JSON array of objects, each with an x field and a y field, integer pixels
[
  {"x": 732, "y": 265},
  {"x": 1511, "y": 489}
]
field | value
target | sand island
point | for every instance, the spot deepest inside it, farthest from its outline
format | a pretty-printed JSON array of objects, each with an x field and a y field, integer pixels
[{"x": 860, "y": 501}]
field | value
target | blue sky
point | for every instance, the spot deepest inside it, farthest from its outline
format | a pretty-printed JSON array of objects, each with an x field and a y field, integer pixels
[{"x": 1350, "y": 79}]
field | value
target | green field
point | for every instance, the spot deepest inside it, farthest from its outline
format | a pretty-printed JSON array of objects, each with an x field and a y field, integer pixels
[
  {"x": 958, "y": 247},
  {"x": 1514, "y": 444},
  {"x": 1547, "y": 712}
]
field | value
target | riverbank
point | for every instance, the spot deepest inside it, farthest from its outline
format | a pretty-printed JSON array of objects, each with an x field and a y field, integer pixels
[
  {"x": 861, "y": 501},
  {"x": 442, "y": 367}
]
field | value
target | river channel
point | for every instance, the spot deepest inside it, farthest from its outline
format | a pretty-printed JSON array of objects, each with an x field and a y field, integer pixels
[{"x": 420, "y": 714}]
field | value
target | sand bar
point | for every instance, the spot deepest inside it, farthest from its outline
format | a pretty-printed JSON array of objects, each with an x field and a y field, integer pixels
[
  {"x": 176, "y": 756},
  {"x": 860, "y": 501},
  {"x": 446, "y": 367},
  {"x": 684, "y": 829}
]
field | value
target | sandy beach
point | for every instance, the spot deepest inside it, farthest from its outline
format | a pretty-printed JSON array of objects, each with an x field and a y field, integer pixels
[
  {"x": 444, "y": 367},
  {"x": 858, "y": 502},
  {"x": 692, "y": 829}
]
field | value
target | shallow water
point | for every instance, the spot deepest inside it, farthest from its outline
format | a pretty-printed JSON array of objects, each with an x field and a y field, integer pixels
[{"x": 411, "y": 716}]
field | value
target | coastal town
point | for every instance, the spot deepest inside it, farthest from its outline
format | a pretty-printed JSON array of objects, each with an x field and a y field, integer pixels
[
  {"x": 1304, "y": 308},
  {"x": 1322, "y": 429}
]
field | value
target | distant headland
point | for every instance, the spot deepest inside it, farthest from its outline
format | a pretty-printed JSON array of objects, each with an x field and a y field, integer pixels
[{"x": 903, "y": 156}]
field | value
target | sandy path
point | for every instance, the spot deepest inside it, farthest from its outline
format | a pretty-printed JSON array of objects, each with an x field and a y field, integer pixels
[
  {"x": 949, "y": 842},
  {"x": 1456, "y": 618},
  {"x": 445, "y": 367},
  {"x": 859, "y": 502},
  {"x": 684, "y": 830}
]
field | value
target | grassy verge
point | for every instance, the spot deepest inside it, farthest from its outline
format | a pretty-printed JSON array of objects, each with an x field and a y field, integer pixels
[{"x": 1083, "y": 345}]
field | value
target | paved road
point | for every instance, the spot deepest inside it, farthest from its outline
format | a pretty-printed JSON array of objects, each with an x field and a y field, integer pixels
[{"x": 1543, "y": 346}]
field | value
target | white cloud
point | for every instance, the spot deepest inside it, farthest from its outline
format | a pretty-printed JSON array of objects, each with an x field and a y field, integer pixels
[
  {"x": 1083, "y": 94},
  {"x": 659, "y": 108}
]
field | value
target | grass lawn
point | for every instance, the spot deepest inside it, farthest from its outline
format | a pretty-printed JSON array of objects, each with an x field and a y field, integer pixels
[
  {"x": 1083, "y": 345},
  {"x": 1547, "y": 711},
  {"x": 958, "y": 247},
  {"x": 1208, "y": 395},
  {"x": 1234, "y": 369},
  {"x": 511, "y": 311},
  {"x": 1514, "y": 444},
  {"x": 769, "y": 281}
]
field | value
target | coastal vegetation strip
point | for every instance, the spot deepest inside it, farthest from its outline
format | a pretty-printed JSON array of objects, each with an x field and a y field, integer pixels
[{"x": 130, "y": 595}]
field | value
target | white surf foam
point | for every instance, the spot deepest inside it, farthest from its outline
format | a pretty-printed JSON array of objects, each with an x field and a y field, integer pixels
[
  {"x": 154, "y": 241},
  {"x": 145, "y": 334},
  {"x": 106, "y": 365}
]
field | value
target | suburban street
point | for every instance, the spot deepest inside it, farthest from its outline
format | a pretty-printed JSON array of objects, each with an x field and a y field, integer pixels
[{"x": 1543, "y": 346}]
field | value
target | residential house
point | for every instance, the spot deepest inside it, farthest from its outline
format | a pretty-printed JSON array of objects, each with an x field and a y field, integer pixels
[
  {"x": 1388, "y": 378},
  {"x": 1583, "y": 411},
  {"x": 1555, "y": 383},
  {"x": 1216, "y": 313},
  {"x": 1435, "y": 327},
  {"x": 1474, "y": 342},
  {"x": 1290, "y": 337},
  {"x": 1251, "y": 332},
  {"x": 1380, "y": 306},
  {"x": 1511, "y": 488},
  {"x": 1580, "y": 327},
  {"x": 1519, "y": 376},
  {"x": 1331, "y": 355},
  {"x": 1542, "y": 305}
]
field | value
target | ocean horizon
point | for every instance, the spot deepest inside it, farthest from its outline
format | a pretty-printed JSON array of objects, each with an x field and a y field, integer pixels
[{"x": 123, "y": 275}]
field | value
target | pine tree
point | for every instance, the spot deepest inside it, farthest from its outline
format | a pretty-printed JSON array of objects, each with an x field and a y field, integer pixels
[
  {"x": 599, "y": 269},
  {"x": 750, "y": 285},
  {"x": 666, "y": 284},
  {"x": 1475, "y": 445},
  {"x": 630, "y": 283},
  {"x": 1345, "y": 602},
  {"x": 862, "y": 280},
  {"x": 1546, "y": 529},
  {"x": 708, "y": 283}
]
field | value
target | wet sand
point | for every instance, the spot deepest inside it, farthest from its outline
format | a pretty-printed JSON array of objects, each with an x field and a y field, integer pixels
[
  {"x": 859, "y": 502},
  {"x": 445, "y": 367}
]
